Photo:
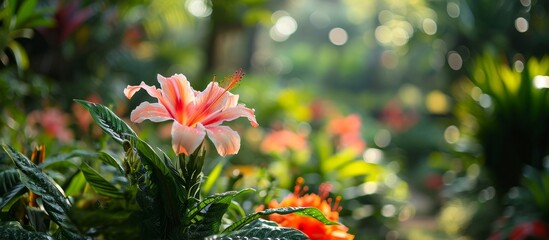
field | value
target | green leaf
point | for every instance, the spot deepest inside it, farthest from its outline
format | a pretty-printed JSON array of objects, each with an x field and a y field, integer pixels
[
  {"x": 70, "y": 159},
  {"x": 108, "y": 121},
  {"x": 25, "y": 11},
  {"x": 55, "y": 203},
  {"x": 20, "y": 55},
  {"x": 108, "y": 159},
  {"x": 146, "y": 151},
  {"x": 303, "y": 211},
  {"x": 11, "y": 187},
  {"x": 76, "y": 185},
  {"x": 13, "y": 230},
  {"x": 205, "y": 217},
  {"x": 38, "y": 219},
  {"x": 212, "y": 177},
  {"x": 160, "y": 193},
  {"x": 100, "y": 184},
  {"x": 261, "y": 229},
  {"x": 217, "y": 198}
]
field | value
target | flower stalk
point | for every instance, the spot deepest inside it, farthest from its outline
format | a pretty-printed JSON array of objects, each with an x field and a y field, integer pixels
[{"x": 191, "y": 169}]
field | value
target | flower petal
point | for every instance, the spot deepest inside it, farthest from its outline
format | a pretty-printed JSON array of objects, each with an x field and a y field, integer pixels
[
  {"x": 129, "y": 91},
  {"x": 226, "y": 140},
  {"x": 186, "y": 139},
  {"x": 212, "y": 99},
  {"x": 178, "y": 92},
  {"x": 230, "y": 114},
  {"x": 154, "y": 112}
]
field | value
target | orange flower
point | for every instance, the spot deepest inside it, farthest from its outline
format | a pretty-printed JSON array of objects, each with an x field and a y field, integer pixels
[
  {"x": 280, "y": 141},
  {"x": 313, "y": 228},
  {"x": 347, "y": 132},
  {"x": 194, "y": 113}
]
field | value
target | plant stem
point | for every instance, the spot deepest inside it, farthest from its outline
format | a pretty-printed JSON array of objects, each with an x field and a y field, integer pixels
[{"x": 191, "y": 168}]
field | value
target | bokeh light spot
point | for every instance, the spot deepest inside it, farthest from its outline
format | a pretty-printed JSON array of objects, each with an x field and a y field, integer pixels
[
  {"x": 454, "y": 60},
  {"x": 388, "y": 210},
  {"x": 410, "y": 95},
  {"x": 476, "y": 92},
  {"x": 369, "y": 188},
  {"x": 286, "y": 25},
  {"x": 383, "y": 34},
  {"x": 373, "y": 155},
  {"x": 473, "y": 171},
  {"x": 429, "y": 26},
  {"x": 485, "y": 100},
  {"x": 385, "y": 16},
  {"x": 453, "y": 9},
  {"x": 199, "y": 8},
  {"x": 437, "y": 102},
  {"x": 362, "y": 212},
  {"x": 518, "y": 65},
  {"x": 338, "y": 36},
  {"x": 541, "y": 82},
  {"x": 451, "y": 134},
  {"x": 521, "y": 24},
  {"x": 382, "y": 138}
]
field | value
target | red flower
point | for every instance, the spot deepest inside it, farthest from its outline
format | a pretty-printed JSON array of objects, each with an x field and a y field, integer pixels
[
  {"x": 54, "y": 122},
  {"x": 313, "y": 228},
  {"x": 397, "y": 118},
  {"x": 530, "y": 230}
]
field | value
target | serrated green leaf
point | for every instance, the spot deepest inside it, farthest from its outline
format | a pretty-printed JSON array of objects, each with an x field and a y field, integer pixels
[
  {"x": 11, "y": 187},
  {"x": 108, "y": 121},
  {"x": 38, "y": 219},
  {"x": 13, "y": 230},
  {"x": 55, "y": 203},
  {"x": 108, "y": 159},
  {"x": 193, "y": 214},
  {"x": 261, "y": 229},
  {"x": 100, "y": 184},
  {"x": 163, "y": 190},
  {"x": 205, "y": 218},
  {"x": 146, "y": 151},
  {"x": 303, "y": 211}
]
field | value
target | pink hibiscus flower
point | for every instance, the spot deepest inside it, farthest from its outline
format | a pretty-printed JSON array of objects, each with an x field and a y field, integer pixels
[{"x": 195, "y": 114}]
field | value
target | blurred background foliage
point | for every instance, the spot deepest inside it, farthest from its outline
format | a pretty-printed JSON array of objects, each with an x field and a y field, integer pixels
[{"x": 427, "y": 117}]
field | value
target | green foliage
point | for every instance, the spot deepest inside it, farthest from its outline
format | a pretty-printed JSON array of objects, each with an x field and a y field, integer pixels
[
  {"x": 17, "y": 18},
  {"x": 13, "y": 230},
  {"x": 55, "y": 203},
  {"x": 11, "y": 188},
  {"x": 261, "y": 229},
  {"x": 100, "y": 184},
  {"x": 511, "y": 115},
  {"x": 108, "y": 121}
]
